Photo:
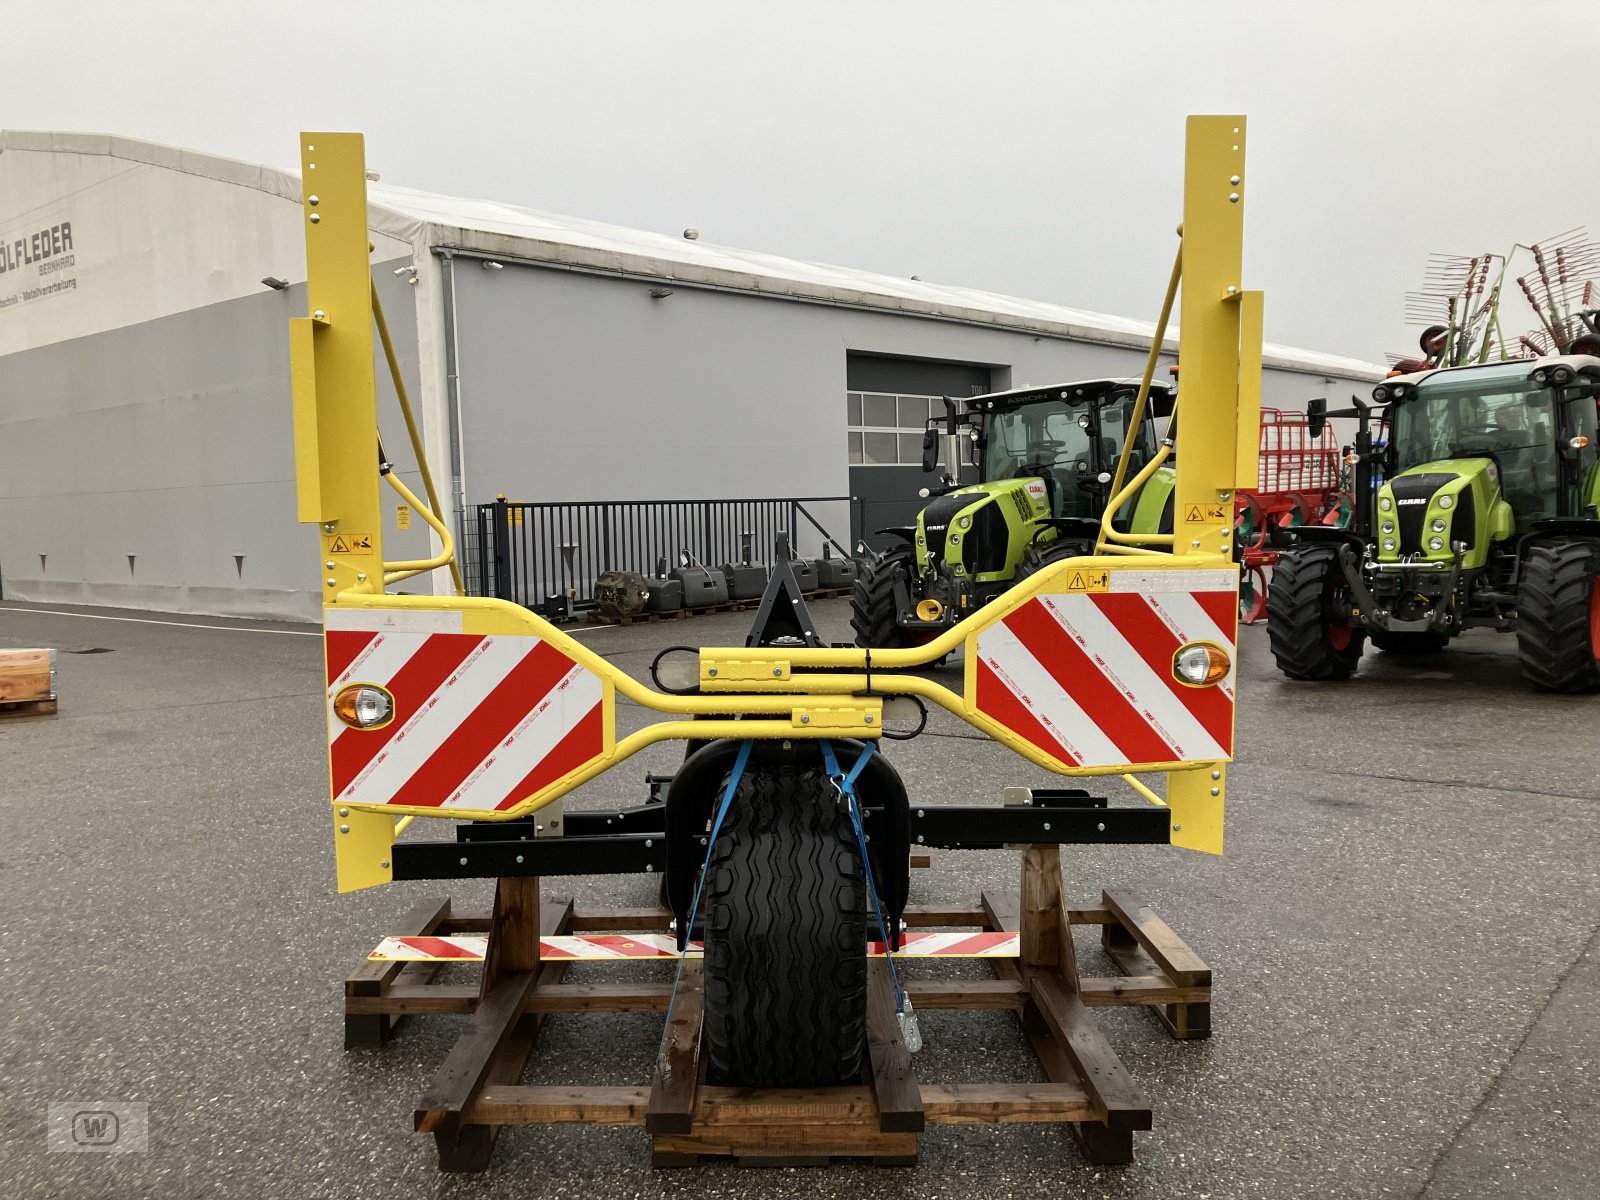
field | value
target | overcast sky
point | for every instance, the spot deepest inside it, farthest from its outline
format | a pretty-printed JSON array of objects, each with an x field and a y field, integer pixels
[{"x": 1026, "y": 147}]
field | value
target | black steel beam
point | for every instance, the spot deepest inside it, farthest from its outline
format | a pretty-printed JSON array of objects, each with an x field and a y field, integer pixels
[
  {"x": 611, "y": 854},
  {"x": 982, "y": 827},
  {"x": 646, "y": 818}
]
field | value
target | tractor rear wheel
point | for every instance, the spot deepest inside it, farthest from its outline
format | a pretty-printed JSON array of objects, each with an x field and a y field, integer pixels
[
  {"x": 1408, "y": 642},
  {"x": 1308, "y": 620},
  {"x": 785, "y": 936},
  {"x": 1558, "y": 616},
  {"x": 872, "y": 605}
]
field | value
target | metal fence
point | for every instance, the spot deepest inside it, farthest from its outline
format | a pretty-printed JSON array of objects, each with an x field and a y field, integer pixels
[{"x": 529, "y": 553}]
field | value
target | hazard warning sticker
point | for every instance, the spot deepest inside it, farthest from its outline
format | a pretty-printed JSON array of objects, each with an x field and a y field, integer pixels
[
  {"x": 1089, "y": 581},
  {"x": 351, "y": 543},
  {"x": 1203, "y": 514}
]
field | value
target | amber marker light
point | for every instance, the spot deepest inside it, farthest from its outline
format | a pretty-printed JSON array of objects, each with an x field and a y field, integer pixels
[
  {"x": 1200, "y": 664},
  {"x": 364, "y": 706}
]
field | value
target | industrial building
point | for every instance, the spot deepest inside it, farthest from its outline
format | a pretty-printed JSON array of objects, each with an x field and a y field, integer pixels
[{"x": 146, "y": 446}]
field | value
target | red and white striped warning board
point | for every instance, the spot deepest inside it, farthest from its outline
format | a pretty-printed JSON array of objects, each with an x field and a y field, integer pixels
[
  {"x": 620, "y": 947},
  {"x": 1085, "y": 675},
  {"x": 480, "y": 722}
]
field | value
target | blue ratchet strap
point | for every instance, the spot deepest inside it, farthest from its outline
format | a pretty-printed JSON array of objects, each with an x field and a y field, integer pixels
[
  {"x": 734, "y": 776},
  {"x": 847, "y": 788}
]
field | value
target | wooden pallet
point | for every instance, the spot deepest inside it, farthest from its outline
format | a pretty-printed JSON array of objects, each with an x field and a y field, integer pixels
[
  {"x": 477, "y": 1091},
  {"x": 27, "y": 683}
]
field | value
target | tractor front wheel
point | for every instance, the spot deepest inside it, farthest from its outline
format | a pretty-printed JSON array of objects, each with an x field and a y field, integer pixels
[
  {"x": 1558, "y": 616},
  {"x": 1039, "y": 556},
  {"x": 1308, "y": 616},
  {"x": 785, "y": 936},
  {"x": 873, "y": 613}
]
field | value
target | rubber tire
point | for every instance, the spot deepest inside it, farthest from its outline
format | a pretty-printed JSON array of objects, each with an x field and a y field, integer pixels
[
  {"x": 1408, "y": 642},
  {"x": 872, "y": 606},
  {"x": 786, "y": 917},
  {"x": 1297, "y": 620},
  {"x": 1556, "y": 634},
  {"x": 1036, "y": 558}
]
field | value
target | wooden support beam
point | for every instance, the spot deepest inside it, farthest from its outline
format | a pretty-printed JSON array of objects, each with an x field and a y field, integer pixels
[
  {"x": 1110, "y": 1087},
  {"x": 1179, "y": 963},
  {"x": 1141, "y": 943},
  {"x": 521, "y": 1104},
  {"x": 889, "y": 1062},
  {"x": 407, "y": 998},
  {"x": 496, "y": 1046},
  {"x": 1111, "y": 991},
  {"x": 677, "y": 1078},
  {"x": 1005, "y": 1103},
  {"x": 848, "y": 1105},
  {"x": 366, "y": 1030},
  {"x": 965, "y": 993}
]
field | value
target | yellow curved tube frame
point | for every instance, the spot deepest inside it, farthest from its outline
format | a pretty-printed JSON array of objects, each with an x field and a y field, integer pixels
[{"x": 767, "y": 692}]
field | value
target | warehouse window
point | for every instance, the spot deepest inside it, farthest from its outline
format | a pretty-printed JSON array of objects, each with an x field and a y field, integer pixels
[{"x": 885, "y": 429}]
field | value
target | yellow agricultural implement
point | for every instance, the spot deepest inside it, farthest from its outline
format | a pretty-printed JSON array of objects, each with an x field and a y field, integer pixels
[{"x": 784, "y": 838}]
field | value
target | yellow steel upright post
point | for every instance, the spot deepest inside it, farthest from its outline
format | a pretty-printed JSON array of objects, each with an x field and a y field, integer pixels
[
  {"x": 335, "y": 407},
  {"x": 1221, "y": 400},
  {"x": 336, "y": 423}
]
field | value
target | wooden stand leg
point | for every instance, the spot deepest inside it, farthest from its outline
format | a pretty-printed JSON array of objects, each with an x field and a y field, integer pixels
[
  {"x": 1046, "y": 932},
  {"x": 677, "y": 1080},
  {"x": 497, "y": 1046}
]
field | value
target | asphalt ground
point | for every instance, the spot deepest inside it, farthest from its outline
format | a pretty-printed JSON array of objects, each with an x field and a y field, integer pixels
[{"x": 1403, "y": 932}]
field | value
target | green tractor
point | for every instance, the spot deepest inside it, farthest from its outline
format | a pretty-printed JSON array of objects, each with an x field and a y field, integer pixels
[
  {"x": 1047, "y": 457},
  {"x": 1481, "y": 509}
]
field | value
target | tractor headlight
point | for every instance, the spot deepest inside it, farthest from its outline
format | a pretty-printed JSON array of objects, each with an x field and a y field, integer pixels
[
  {"x": 1435, "y": 543},
  {"x": 1388, "y": 543},
  {"x": 1386, "y": 504},
  {"x": 1200, "y": 664},
  {"x": 364, "y": 706},
  {"x": 1438, "y": 525},
  {"x": 1388, "y": 526},
  {"x": 1446, "y": 501},
  {"x": 964, "y": 523},
  {"x": 955, "y": 539}
]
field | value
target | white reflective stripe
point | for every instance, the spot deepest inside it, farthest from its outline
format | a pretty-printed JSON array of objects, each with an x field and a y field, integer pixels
[
  {"x": 933, "y": 945},
  {"x": 1117, "y": 659},
  {"x": 549, "y": 720},
  {"x": 613, "y": 945},
  {"x": 380, "y": 660},
  {"x": 455, "y": 701},
  {"x": 1196, "y": 579},
  {"x": 1040, "y": 694},
  {"x": 1194, "y": 624},
  {"x": 1189, "y": 619},
  {"x": 407, "y": 949}
]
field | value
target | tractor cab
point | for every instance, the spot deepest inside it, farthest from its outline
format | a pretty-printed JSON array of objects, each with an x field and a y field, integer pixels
[
  {"x": 1481, "y": 455},
  {"x": 1486, "y": 513},
  {"x": 1068, "y": 436},
  {"x": 1048, "y": 459}
]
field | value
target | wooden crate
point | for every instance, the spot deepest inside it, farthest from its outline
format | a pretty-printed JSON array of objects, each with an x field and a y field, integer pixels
[
  {"x": 477, "y": 1090},
  {"x": 27, "y": 683}
]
